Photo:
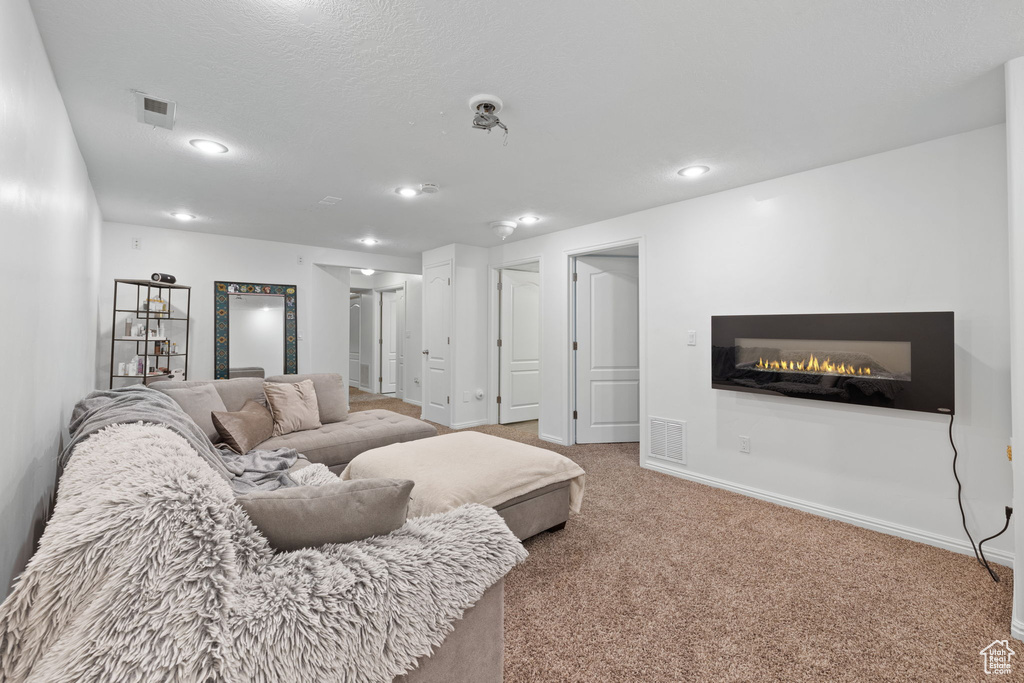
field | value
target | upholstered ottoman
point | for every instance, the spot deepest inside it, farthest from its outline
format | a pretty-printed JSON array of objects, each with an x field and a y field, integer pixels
[{"x": 532, "y": 488}]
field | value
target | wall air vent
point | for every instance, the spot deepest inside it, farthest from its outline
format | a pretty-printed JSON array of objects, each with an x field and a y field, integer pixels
[
  {"x": 668, "y": 440},
  {"x": 154, "y": 111}
]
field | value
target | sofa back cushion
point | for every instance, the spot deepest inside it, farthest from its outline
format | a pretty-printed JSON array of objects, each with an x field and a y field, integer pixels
[
  {"x": 294, "y": 406},
  {"x": 331, "y": 394},
  {"x": 310, "y": 516},
  {"x": 198, "y": 400}
]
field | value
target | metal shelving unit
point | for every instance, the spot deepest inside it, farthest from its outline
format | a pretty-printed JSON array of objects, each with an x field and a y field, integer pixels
[{"x": 155, "y": 302}]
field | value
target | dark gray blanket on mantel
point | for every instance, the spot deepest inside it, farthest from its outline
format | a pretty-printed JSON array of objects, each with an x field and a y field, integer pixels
[{"x": 264, "y": 470}]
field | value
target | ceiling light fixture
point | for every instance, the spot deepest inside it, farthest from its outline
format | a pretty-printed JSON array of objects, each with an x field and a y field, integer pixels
[
  {"x": 693, "y": 171},
  {"x": 208, "y": 146},
  {"x": 369, "y": 241},
  {"x": 367, "y": 271},
  {"x": 182, "y": 216},
  {"x": 407, "y": 191},
  {"x": 527, "y": 220},
  {"x": 503, "y": 228}
]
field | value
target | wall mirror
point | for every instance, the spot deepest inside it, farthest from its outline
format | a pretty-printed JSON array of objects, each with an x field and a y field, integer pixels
[{"x": 255, "y": 330}]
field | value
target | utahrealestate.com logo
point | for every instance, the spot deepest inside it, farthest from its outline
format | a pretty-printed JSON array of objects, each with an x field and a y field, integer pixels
[{"x": 997, "y": 657}]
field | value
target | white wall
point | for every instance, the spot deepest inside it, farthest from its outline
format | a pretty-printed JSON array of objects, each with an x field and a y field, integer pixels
[
  {"x": 50, "y": 225},
  {"x": 1015, "y": 184},
  {"x": 920, "y": 228},
  {"x": 199, "y": 260}
]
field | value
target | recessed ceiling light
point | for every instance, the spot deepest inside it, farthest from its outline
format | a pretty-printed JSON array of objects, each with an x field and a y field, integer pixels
[
  {"x": 182, "y": 216},
  {"x": 367, "y": 271},
  {"x": 693, "y": 171},
  {"x": 208, "y": 146},
  {"x": 407, "y": 191},
  {"x": 369, "y": 241},
  {"x": 527, "y": 220}
]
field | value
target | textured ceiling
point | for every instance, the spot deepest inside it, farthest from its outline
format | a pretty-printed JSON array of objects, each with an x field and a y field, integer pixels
[{"x": 605, "y": 100}]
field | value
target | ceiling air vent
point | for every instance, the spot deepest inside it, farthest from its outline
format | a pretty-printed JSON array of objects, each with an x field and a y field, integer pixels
[
  {"x": 154, "y": 111},
  {"x": 668, "y": 440}
]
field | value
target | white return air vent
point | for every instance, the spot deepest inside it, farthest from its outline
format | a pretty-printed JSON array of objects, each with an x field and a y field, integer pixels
[
  {"x": 668, "y": 440},
  {"x": 154, "y": 111}
]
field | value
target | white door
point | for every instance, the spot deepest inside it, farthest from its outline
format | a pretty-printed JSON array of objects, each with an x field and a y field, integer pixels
[
  {"x": 367, "y": 343},
  {"x": 353, "y": 342},
  {"x": 388, "y": 343},
  {"x": 400, "y": 342},
  {"x": 437, "y": 317},
  {"x": 608, "y": 355},
  {"x": 520, "y": 347}
]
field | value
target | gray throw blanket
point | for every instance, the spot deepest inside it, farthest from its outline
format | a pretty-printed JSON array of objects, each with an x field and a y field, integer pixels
[
  {"x": 149, "y": 571},
  {"x": 265, "y": 470}
]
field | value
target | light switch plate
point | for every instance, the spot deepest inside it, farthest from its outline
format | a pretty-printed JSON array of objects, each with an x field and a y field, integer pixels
[{"x": 691, "y": 338}]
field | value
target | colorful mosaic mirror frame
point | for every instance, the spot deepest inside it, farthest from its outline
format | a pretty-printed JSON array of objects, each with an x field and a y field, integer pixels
[{"x": 221, "y": 292}]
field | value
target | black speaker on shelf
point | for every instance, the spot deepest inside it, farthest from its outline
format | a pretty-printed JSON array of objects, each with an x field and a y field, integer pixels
[{"x": 164, "y": 277}]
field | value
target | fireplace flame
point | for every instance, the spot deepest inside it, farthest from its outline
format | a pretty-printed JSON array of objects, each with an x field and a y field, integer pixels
[{"x": 813, "y": 364}]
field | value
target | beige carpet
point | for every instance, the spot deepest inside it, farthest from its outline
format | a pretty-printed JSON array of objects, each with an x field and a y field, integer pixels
[{"x": 660, "y": 579}]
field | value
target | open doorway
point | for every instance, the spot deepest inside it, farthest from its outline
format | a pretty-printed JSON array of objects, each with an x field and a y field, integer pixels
[
  {"x": 519, "y": 346},
  {"x": 606, "y": 345},
  {"x": 384, "y": 322}
]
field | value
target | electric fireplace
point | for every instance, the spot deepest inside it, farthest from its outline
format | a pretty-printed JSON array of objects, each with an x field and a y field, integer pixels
[{"x": 891, "y": 360}]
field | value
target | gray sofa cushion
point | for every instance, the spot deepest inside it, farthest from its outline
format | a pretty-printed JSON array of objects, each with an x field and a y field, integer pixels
[
  {"x": 331, "y": 394},
  {"x": 233, "y": 392},
  {"x": 310, "y": 516},
  {"x": 336, "y": 443},
  {"x": 198, "y": 400},
  {"x": 294, "y": 406}
]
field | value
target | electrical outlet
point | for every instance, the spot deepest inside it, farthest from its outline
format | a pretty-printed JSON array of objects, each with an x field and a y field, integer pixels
[
  {"x": 691, "y": 338},
  {"x": 300, "y": 260},
  {"x": 136, "y": 243},
  {"x": 744, "y": 444}
]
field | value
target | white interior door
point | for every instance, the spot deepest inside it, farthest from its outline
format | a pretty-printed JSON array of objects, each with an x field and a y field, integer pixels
[
  {"x": 608, "y": 354},
  {"x": 388, "y": 343},
  {"x": 400, "y": 301},
  {"x": 437, "y": 320},
  {"x": 520, "y": 347},
  {"x": 353, "y": 342},
  {"x": 367, "y": 342}
]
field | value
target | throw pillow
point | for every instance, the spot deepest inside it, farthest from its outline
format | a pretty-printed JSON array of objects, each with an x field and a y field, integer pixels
[
  {"x": 310, "y": 516},
  {"x": 199, "y": 401},
  {"x": 331, "y": 393},
  {"x": 245, "y": 429},
  {"x": 294, "y": 406}
]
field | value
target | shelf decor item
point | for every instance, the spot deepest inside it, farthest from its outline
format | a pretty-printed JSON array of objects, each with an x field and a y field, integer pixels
[{"x": 155, "y": 317}]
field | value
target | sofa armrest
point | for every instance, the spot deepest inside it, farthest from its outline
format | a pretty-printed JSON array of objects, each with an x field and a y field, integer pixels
[{"x": 474, "y": 651}]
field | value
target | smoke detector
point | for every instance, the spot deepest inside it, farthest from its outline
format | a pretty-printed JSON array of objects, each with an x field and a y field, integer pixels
[
  {"x": 154, "y": 111},
  {"x": 429, "y": 188},
  {"x": 485, "y": 109},
  {"x": 503, "y": 228}
]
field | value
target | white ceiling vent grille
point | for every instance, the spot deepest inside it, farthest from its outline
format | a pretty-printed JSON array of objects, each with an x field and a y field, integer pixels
[
  {"x": 154, "y": 111},
  {"x": 668, "y": 440}
]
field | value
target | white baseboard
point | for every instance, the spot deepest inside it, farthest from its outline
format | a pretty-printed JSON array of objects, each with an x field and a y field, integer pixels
[
  {"x": 1017, "y": 629},
  {"x": 947, "y": 542},
  {"x": 471, "y": 423},
  {"x": 552, "y": 439},
  {"x": 413, "y": 402}
]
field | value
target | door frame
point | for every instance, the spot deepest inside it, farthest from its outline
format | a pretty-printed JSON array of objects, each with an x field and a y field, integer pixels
[
  {"x": 570, "y": 395},
  {"x": 494, "y": 329}
]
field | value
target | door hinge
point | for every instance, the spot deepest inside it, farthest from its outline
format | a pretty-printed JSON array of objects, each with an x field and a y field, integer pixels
[
  {"x": 575, "y": 415},
  {"x": 575, "y": 346},
  {"x": 380, "y": 379},
  {"x": 449, "y": 340},
  {"x": 499, "y": 342},
  {"x": 574, "y": 277},
  {"x": 447, "y": 399},
  {"x": 499, "y": 286},
  {"x": 381, "y": 340},
  {"x": 449, "y": 282},
  {"x": 499, "y": 399}
]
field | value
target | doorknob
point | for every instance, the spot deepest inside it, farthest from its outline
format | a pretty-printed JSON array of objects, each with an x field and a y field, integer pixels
[{"x": 426, "y": 352}]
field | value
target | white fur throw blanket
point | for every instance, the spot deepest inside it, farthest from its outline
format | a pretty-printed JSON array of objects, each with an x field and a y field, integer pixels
[{"x": 149, "y": 571}]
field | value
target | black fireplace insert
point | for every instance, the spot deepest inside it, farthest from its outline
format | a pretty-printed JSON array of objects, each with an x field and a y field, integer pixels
[{"x": 891, "y": 360}]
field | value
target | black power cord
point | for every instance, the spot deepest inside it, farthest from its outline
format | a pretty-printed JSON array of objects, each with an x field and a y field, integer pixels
[{"x": 979, "y": 553}]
